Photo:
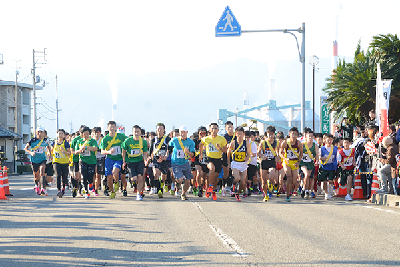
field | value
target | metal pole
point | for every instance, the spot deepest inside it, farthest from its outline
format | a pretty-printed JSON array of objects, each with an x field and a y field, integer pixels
[
  {"x": 57, "y": 101},
  {"x": 313, "y": 98},
  {"x": 303, "y": 89},
  {"x": 34, "y": 93},
  {"x": 16, "y": 101}
]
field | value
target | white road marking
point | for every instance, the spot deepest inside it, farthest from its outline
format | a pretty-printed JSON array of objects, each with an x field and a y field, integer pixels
[
  {"x": 369, "y": 207},
  {"x": 226, "y": 240}
]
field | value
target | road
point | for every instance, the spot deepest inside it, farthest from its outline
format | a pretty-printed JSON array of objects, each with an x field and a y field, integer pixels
[{"x": 48, "y": 231}]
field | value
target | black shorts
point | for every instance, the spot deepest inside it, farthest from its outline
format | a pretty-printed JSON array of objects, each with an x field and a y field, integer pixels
[
  {"x": 49, "y": 169},
  {"x": 324, "y": 175},
  {"x": 251, "y": 171},
  {"x": 163, "y": 166},
  {"x": 101, "y": 166},
  {"x": 192, "y": 166},
  {"x": 75, "y": 166},
  {"x": 344, "y": 174},
  {"x": 135, "y": 168},
  {"x": 217, "y": 164},
  {"x": 36, "y": 166},
  {"x": 124, "y": 171},
  {"x": 267, "y": 164},
  {"x": 224, "y": 160},
  {"x": 204, "y": 168},
  {"x": 87, "y": 171}
]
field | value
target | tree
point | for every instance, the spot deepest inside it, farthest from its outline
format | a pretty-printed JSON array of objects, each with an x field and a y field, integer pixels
[
  {"x": 387, "y": 51},
  {"x": 351, "y": 89}
]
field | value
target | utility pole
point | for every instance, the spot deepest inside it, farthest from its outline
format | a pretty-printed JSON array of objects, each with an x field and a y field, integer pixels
[
  {"x": 57, "y": 101},
  {"x": 16, "y": 96},
  {"x": 33, "y": 85}
]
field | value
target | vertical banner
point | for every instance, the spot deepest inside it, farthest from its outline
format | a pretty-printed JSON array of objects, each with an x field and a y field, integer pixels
[
  {"x": 325, "y": 115},
  {"x": 383, "y": 101}
]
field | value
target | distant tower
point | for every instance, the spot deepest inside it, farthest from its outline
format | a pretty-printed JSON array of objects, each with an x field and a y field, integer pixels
[
  {"x": 114, "y": 112},
  {"x": 271, "y": 89},
  {"x": 246, "y": 104}
]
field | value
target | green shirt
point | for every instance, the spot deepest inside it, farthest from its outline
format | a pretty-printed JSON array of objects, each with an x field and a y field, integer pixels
[
  {"x": 87, "y": 156},
  {"x": 75, "y": 158},
  {"x": 132, "y": 148},
  {"x": 116, "y": 145}
]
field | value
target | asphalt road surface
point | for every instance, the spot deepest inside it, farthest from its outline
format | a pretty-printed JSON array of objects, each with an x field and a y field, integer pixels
[{"x": 49, "y": 231}]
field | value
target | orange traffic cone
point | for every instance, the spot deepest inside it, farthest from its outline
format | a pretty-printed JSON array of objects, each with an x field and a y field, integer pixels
[
  {"x": 358, "y": 192},
  {"x": 6, "y": 184},
  {"x": 342, "y": 191},
  {"x": 2, "y": 194},
  {"x": 374, "y": 185}
]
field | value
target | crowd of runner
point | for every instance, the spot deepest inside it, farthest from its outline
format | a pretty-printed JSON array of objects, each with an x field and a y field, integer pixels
[{"x": 238, "y": 164}]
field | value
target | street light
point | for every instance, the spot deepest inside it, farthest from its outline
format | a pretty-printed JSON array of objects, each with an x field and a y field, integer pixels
[
  {"x": 236, "y": 111},
  {"x": 314, "y": 60}
]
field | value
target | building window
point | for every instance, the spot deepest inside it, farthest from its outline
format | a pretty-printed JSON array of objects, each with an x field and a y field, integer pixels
[
  {"x": 25, "y": 119},
  {"x": 11, "y": 129},
  {"x": 26, "y": 97}
]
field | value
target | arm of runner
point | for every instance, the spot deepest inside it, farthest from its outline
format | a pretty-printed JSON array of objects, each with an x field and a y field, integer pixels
[
  {"x": 283, "y": 147},
  {"x": 145, "y": 155},
  {"x": 248, "y": 152},
  {"x": 107, "y": 152},
  {"x": 201, "y": 148},
  {"x": 27, "y": 150},
  {"x": 300, "y": 146},
  {"x": 316, "y": 153},
  {"x": 123, "y": 153}
]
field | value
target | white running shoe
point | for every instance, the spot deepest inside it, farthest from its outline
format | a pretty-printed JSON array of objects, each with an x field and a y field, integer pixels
[
  {"x": 348, "y": 198},
  {"x": 223, "y": 192},
  {"x": 151, "y": 191},
  {"x": 177, "y": 194}
]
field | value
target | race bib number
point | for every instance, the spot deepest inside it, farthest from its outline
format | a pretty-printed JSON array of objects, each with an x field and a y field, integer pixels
[
  {"x": 204, "y": 159},
  {"x": 306, "y": 158},
  {"x": 291, "y": 155},
  {"x": 212, "y": 148},
  {"x": 268, "y": 154},
  {"x": 40, "y": 150},
  {"x": 161, "y": 153},
  {"x": 135, "y": 151},
  {"x": 117, "y": 150},
  {"x": 86, "y": 153},
  {"x": 57, "y": 155},
  {"x": 349, "y": 162},
  {"x": 180, "y": 154}
]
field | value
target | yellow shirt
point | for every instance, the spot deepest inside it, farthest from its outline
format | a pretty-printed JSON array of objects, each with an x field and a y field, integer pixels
[
  {"x": 211, "y": 149},
  {"x": 58, "y": 155}
]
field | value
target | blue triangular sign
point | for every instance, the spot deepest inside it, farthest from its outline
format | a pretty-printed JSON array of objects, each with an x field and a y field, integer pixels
[{"x": 228, "y": 25}]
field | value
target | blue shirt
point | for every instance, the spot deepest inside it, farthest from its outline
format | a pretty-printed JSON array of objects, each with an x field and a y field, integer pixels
[
  {"x": 178, "y": 156},
  {"x": 332, "y": 161},
  {"x": 40, "y": 152}
]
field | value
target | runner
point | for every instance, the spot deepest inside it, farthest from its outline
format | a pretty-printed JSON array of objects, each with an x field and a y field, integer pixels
[
  {"x": 134, "y": 154},
  {"x": 201, "y": 167},
  {"x": 346, "y": 161},
  {"x": 268, "y": 151},
  {"x": 76, "y": 177},
  {"x": 61, "y": 152},
  {"x": 310, "y": 155},
  {"x": 327, "y": 169},
  {"x": 229, "y": 136},
  {"x": 158, "y": 152},
  {"x": 100, "y": 162},
  {"x": 252, "y": 163},
  {"x": 37, "y": 148},
  {"x": 49, "y": 164},
  {"x": 111, "y": 146},
  {"x": 215, "y": 146},
  {"x": 181, "y": 149},
  {"x": 240, "y": 151},
  {"x": 87, "y": 159},
  {"x": 291, "y": 152}
]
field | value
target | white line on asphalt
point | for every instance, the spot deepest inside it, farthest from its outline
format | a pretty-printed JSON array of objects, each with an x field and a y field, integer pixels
[
  {"x": 369, "y": 207},
  {"x": 226, "y": 240},
  {"x": 31, "y": 188}
]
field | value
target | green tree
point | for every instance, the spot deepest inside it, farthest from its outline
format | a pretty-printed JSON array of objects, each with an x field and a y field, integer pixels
[
  {"x": 387, "y": 51},
  {"x": 351, "y": 89}
]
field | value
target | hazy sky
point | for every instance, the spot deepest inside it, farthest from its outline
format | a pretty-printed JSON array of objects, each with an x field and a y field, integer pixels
[{"x": 151, "y": 36}]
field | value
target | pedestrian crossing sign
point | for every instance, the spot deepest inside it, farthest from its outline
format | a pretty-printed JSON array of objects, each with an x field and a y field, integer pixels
[{"x": 228, "y": 25}]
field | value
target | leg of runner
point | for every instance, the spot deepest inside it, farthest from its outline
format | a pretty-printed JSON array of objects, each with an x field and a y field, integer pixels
[
  {"x": 236, "y": 179},
  {"x": 264, "y": 184},
  {"x": 288, "y": 172},
  {"x": 42, "y": 171}
]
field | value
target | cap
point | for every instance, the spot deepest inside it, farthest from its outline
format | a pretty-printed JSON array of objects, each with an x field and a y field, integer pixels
[
  {"x": 39, "y": 129},
  {"x": 121, "y": 130},
  {"x": 183, "y": 128}
]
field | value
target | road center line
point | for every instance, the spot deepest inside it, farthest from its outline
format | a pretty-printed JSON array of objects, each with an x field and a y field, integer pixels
[{"x": 228, "y": 242}]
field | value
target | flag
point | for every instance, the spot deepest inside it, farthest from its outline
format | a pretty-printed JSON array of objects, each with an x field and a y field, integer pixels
[{"x": 383, "y": 89}]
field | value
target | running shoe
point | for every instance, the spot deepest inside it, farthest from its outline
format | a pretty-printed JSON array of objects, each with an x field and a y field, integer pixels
[
  {"x": 106, "y": 193},
  {"x": 116, "y": 187},
  {"x": 312, "y": 195},
  {"x": 151, "y": 192},
  {"x": 37, "y": 190},
  {"x": 43, "y": 192},
  {"x": 74, "y": 192},
  {"x": 177, "y": 194},
  {"x": 183, "y": 197},
  {"x": 348, "y": 198},
  {"x": 124, "y": 193},
  {"x": 269, "y": 194},
  {"x": 214, "y": 196},
  {"x": 209, "y": 191},
  {"x": 266, "y": 198},
  {"x": 95, "y": 193},
  {"x": 287, "y": 199},
  {"x": 112, "y": 195},
  {"x": 195, "y": 191},
  {"x": 165, "y": 188},
  {"x": 244, "y": 195},
  {"x": 135, "y": 190},
  {"x": 148, "y": 188},
  {"x": 237, "y": 197},
  {"x": 90, "y": 187},
  {"x": 200, "y": 194},
  {"x": 59, "y": 194},
  {"x": 139, "y": 197},
  {"x": 62, "y": 192},
  {"x": 83, "y": 192},
  {"x": 303, "y": 193},
  {"x": 160, "y": 194},
  {"x": 171, "y": 192},
  {"x": 307, "y": 195},
  {"x": 87, "y": 196},
  {"x": 142, "y": 194},
  {"x": 223, "y": 194}
]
